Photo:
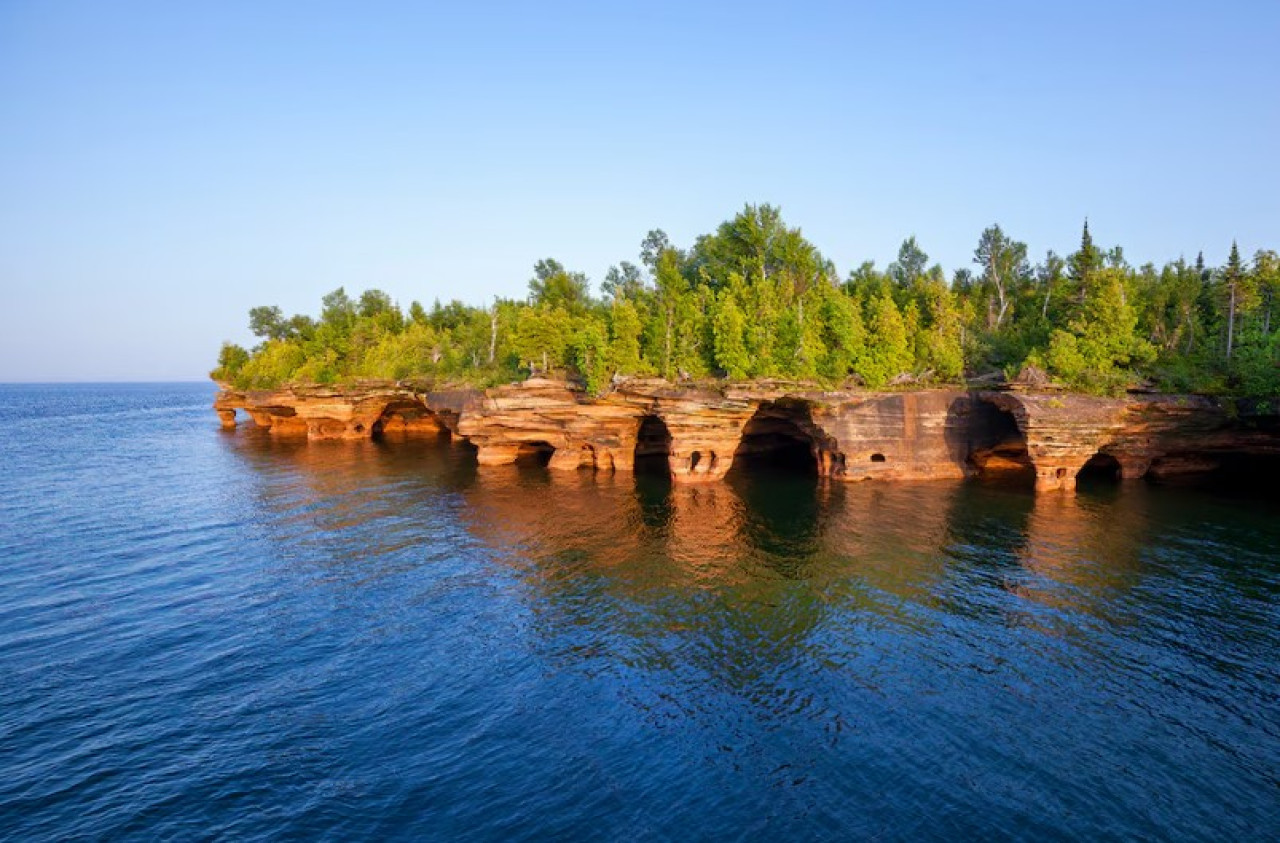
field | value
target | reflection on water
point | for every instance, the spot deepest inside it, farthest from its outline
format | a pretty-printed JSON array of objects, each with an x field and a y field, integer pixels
[{"x": 260, "y": 638}]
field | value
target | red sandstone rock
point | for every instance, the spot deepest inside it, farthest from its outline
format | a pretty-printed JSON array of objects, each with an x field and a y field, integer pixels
[{"x": 850, "y": 435}]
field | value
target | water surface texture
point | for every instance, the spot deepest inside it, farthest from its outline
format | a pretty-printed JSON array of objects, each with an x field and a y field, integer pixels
[{"x": 211, "y": 635}]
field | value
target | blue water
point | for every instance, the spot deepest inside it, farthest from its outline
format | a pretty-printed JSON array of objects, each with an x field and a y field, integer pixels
[{"x": 211, "y": 635}]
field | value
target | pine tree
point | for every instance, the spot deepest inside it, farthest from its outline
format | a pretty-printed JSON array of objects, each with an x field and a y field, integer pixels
[
  {"x": 624, "y": 345},
  {"x": 590, "y": 353},
  {"x": 728, "y": 325},
  {"x": 1232, "y": 278},
  {"x": 844, "y": 339},
  {"x": 888, "y": 346},
  {"x": 1083, "y": 263},
  {"x": 940, "y": 344}
]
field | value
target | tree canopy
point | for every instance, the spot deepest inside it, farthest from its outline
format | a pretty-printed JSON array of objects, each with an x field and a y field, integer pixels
[{"x": 755, "y": 299}]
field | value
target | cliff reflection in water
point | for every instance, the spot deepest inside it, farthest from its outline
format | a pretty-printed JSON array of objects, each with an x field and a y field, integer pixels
[
  {"x": 853, "y": 656},
  {"x": 878, "y": 547}
]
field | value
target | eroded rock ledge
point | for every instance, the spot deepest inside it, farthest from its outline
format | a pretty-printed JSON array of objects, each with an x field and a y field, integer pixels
[{"x": 699, "y": 433}]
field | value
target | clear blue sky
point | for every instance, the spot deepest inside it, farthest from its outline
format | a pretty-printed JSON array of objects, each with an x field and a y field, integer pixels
[{"x": 166, "y": 166}]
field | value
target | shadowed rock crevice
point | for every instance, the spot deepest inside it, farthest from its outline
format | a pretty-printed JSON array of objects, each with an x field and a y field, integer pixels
[
  {"x": 407, "y": 418},
  {"x": 1230, "y": 472},
  {"x": 1100, "y": 469},
  {"x": 998, "y": 447},
  {"x": 534, "y": 453},
  {"x": 653, "y": 447},
  {"x": 781, "y": 436},
  {"x": 695, "y": 434}
]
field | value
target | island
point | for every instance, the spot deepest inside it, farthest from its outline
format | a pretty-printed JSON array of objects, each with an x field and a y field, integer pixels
[{"x": 749, "y": 346}]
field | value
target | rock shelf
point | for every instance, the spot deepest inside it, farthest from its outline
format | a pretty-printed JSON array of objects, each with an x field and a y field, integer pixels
[{"x": 703, "y": 432}]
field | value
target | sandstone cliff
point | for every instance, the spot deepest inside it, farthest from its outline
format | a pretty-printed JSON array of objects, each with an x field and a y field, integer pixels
[{"x": 699, "y": 433}]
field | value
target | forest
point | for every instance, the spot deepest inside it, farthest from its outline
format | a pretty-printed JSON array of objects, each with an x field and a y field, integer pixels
[{"x": 756, "y": 300}]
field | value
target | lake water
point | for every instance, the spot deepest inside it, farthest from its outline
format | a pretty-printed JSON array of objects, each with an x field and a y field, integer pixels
[{"x": 212, "y": 635}]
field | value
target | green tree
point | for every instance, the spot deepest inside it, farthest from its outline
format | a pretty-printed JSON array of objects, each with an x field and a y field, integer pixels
[
  {"x": 624, "y": 347},
  {"x": 1102, "y": 342},
  {"x": 888, "y": 346},
  {"x": 1083, "y": 263},
  {"x": 940, "y": 343},
  {"x": 590, "y": 353},
  {"x": 624, "y": 281},
  {"x": 910, "y": 264},
  {"x": 231, "y": 360},
  {"x": 269, "y": 323},
  {"x": 1238, "y": 293},
  {"x": 1004, "y": 270},
  {"x": 274, "y": 364},
  {"x": 374, "y": 302},
  {"x": 729, "y": 327},
  {"x": 672, "y": 291},
  {"x": 338, "y": 311},
  {"x": 542, "y": 337},
  {"x": 554, "y": 286},
  {"x": 1266, "y": 271},
  {"x": 844, "y": 340}
]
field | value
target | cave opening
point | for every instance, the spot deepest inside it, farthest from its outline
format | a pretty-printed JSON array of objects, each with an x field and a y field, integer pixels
[
  {"x": 997, "y": 446},
  {"x": 536, "y": 453},
  {"x": 653, "y": 447},
  {"x": 1252, "y": 474},
  {"x": 1101, "y": 468},
  {"x": 778, "y": 438},
  {"x": 1230, "y": 473},
  {"x": 403, "y": 419}
]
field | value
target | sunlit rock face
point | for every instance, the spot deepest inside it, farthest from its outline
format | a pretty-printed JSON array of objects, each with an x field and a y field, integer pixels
[
  {"x": 1062, "y": 432},
  {"x": 698, "y": 434},
  {"x": 360, "y": 411}
]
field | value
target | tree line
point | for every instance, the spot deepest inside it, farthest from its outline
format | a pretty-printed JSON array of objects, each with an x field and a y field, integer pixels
[{"x": 756, "y": 300}]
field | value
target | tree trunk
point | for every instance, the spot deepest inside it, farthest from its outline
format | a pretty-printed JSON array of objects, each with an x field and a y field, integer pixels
[
  {"x": 1231, "y": 321},
  {"x": 800, "y": 320},
  {"x": 666, "y": 363},
  {"x": 493, "y": 334}
]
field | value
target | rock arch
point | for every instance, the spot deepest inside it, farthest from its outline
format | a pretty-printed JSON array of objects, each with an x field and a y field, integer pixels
[
  {"x": 702, "y": 437},
  {"x": 1061, "y": 432},
  {"x": 535, "y": 452},
  {"x": 407, "y": 418},
  {"x": 1101, "y": 467}
]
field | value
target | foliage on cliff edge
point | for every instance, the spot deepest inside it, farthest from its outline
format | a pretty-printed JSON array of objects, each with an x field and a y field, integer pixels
[{"x": 755, "y": 300}]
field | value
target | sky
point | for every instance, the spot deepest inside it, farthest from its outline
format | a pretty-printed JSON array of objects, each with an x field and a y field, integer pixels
[{"x": 166, "y": 166}]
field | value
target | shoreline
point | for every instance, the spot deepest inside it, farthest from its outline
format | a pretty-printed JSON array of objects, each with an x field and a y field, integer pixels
[{"x": 701, "y": 432}]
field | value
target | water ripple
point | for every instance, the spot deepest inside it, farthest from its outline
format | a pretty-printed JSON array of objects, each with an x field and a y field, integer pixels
[{"x": 212, "y": 636}]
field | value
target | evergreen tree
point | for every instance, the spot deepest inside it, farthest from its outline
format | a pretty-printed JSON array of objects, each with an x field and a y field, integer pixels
[
  {"x": 1237, "y": 292},
  {"x": 231, "y": 360},
  {"x": 888, "y": 346},
  {"x": 554, "y": 286},
  {"x": 844, "y": 337},
  {"x": 624, "y": 348},
  {"x": 755, "y": 299},
  {"x": 910, "y": 264},
  {"x": 728, "y": 325},
  {"x": 589, "y": 352},
  {"x": 542, "y": 337},
  {"x": 1083, "y": 263},
  {"x": 939, "y": 344}
]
